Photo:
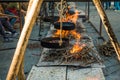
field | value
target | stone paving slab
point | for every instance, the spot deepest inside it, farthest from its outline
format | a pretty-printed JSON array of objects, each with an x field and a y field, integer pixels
[
  {"x": 85, "y": 74},
  {"x": 65, "y": 73},
  {"x": 47, "y": 73}
]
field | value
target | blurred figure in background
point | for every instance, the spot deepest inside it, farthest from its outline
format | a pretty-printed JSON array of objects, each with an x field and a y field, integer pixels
[
  {"x": 4, "y": 35},
  {"x": 11, "y": 9},
  {"x": 5, "y": 25},
  {"x": 117, "y": 5},
  {"x": 107, "y": 5}
]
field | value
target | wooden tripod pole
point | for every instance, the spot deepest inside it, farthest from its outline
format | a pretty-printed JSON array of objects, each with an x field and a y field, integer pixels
[
  {"x": 23, "y": 40},
  {"x": 107, "y": 26}
]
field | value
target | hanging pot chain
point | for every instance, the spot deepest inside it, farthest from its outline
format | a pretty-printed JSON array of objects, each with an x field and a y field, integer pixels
[{"x": 61, "y": 12}]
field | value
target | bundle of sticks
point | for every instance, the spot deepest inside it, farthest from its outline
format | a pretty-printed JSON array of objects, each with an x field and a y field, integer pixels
[
  {"x": 106, "y": 49},
  {"x": 86, "y": 55}
]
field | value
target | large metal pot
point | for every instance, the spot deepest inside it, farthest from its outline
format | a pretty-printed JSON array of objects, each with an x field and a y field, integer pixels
[
  {"x": 65, "y": 25},
  {"x": 53, "y": 42},
  {"x": 51, "y": 18}
]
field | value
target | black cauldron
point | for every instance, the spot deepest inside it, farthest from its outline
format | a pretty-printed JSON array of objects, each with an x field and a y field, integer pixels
[
  {"x": 65, "y": 25},
  {"x": 51, "y": 18},
  {"x": 53, "y": 42}
]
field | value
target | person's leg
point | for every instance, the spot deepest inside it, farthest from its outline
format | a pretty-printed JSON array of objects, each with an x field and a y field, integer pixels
[
  {"x": 115, "y": 4},
  {"x": 109, "y": 4},
  {"x": 2, "y": 32},
  {"x": 118, "y": 5},
  {"x": 12, "y": 20},
  {"x": 106, "y": 5},
  {"x": 7, "y": 25}
]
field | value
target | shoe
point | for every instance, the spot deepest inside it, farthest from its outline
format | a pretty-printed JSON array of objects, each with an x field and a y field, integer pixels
[
  {"x": 7, "y": 32},
  {"x": 6, "y": 39},
  {"x": 14, "y": 34}
]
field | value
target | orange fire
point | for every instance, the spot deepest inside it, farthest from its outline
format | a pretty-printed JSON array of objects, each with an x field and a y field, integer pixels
[
  {"x": 72, "y": 18},
  {"x": 75, "y": 34},
  {"x": 77, "y": 48},
  {"x": 64, "y": 33}
]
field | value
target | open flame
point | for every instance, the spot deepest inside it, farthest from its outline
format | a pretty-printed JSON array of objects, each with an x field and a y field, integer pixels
[
  {"x": 77, "y": 48},
  {"x": 64, "y": 33},
  {"x": 75, "y": 34},
  {"x": 69, "y": 18},
  {"x": 72, "y": 18}
]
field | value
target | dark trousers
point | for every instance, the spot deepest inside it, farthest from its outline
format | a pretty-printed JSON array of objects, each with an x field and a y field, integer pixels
[
  {"x": 117, "y": 5},
  {"x": 5, "y": 23},
  {"x": 2, "y": 30},
  {"x": 107, "y": 5}
]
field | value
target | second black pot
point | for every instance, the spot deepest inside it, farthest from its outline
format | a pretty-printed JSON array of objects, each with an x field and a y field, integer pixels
[{"x": 65, "y": 25}]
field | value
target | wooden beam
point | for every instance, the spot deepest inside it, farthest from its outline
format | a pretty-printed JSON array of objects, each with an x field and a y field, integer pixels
[
  {"x": 52, "y": 0},
  {"x": 77, "y": 0},
  {"x": 21, "y": 75},
  {"x": 23, "y": 40},
  {"x": 107, "y": 26},
  {"x": 20, "y": 16}
]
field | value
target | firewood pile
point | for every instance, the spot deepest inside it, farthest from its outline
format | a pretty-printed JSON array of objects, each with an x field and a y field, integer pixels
[
  {"x": 86, "y": 56},
  {"x": 106, "y": 49}
]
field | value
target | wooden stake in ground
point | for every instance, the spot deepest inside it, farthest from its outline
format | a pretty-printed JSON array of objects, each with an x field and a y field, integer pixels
[
  {"x": 22, "y": 43},
  {"x": 107, "y": 26}
]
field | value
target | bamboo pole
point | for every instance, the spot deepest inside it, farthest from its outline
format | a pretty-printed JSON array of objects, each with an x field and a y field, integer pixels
[
  {"x": 108, "y": 27},
  {"x": 20, "y": 16},
  {"x": 21, "y": 75},
  {"x": 22, "y": 43},
  {"x": 29, "y": 6}
]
